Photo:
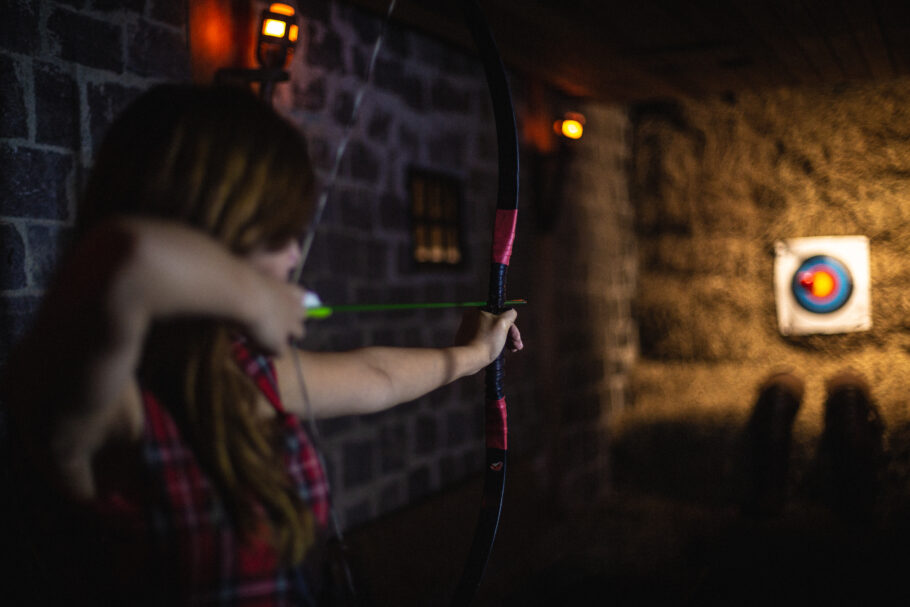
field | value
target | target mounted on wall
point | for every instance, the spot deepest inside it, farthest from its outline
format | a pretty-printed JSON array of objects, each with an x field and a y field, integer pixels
[{"x": 822, "y": 285}]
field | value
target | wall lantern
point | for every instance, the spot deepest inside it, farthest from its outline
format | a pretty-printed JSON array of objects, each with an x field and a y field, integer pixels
[
  {"x": 276, "y": 39},
  {"x": 278, "y": 32},
  {"x": 571, "y": 126}
]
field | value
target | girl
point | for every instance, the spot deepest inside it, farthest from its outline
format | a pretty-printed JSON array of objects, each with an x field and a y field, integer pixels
[{"x": 155, "y": 402}]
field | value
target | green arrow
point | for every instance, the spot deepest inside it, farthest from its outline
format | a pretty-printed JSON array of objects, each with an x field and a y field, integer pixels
[{"x": 319, "y": 312}]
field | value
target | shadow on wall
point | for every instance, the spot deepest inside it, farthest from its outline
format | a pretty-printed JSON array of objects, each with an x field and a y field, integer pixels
[
  {"x": 714, "y": 183},
  {"x": 735, "y": 513},
  {"x": 857, "y": 468}
]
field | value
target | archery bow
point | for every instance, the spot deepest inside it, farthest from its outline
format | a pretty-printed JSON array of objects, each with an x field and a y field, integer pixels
[
  {"x": 305, "y": 248},
  {"x": 503, "y": 236}
]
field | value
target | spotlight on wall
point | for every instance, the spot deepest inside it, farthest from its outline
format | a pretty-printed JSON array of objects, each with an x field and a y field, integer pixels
[
  {"x": 571, "y": 126},
  {"x": 277, "y": 37}
]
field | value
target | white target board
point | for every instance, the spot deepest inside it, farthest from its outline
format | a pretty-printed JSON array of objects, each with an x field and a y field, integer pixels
[{"x": 821, "y": 285}]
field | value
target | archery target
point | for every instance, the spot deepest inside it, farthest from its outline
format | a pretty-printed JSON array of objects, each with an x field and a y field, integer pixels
[{"x": 822, "y": 285}]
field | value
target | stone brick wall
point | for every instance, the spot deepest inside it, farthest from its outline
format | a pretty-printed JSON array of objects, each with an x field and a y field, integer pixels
[
  {"x": 584, "y": 288},
  {"x": 65, "y": 72},
  {"x": 715, "y": 183},
  {"x": 69, "y": 67},
  {"x": 428, "y": 108}
]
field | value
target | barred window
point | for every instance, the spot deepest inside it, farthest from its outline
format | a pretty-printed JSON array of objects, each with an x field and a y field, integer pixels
[{"x": 436, "y": 218}]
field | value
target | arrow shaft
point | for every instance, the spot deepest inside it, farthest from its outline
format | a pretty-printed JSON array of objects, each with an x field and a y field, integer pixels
[{"x": 325, "y": 311}]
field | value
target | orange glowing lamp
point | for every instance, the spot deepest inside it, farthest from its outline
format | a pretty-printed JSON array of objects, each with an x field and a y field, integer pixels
[
  {"x": 572, "y": 125},
  {"x": 273, "y": 28},
  {"x": 277, "y": 35}
]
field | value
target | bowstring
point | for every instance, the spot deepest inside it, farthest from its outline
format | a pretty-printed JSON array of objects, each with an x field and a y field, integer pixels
[
  {"x": 321, "y": 201},
  {"x": 305, "y": 248}
]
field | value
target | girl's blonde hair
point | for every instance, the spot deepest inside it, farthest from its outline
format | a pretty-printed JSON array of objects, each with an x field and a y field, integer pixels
[{"x": 219, "y": 160}]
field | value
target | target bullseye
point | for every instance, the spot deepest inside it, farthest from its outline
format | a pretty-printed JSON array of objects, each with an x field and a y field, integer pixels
[{"x": 822, "y": 284}]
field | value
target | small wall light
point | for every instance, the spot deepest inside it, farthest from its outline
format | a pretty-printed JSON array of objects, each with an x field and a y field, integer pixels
[
  {"x": 277, "y": 37},
  {"x": 571, "y": 126},
  {"x": 278, "y": 32}
]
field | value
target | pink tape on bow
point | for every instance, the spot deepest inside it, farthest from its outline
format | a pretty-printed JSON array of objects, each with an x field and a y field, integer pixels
[
  {"x": 496, "y": 429},
  {"x": 504, "y": 235}
]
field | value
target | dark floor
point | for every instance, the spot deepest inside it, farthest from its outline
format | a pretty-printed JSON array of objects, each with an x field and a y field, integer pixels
[
  {"x": 647, "y": 551},
  {"x": 635, "y": 549}
]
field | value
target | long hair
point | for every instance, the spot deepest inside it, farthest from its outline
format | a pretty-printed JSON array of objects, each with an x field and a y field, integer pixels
[{"x": 221, "y": 161}]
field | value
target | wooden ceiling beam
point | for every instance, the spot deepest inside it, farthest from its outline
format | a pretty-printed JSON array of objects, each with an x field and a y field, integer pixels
[
  {"x": 894, "y": 22},
  {"x": 830, "y": 21},
  {"x": 869, "y": 38},
  {"x": 766, "y": 23},
  {"x": 527, "y": 35},
  {"x": 743, "y": 56},
  {"x": 798, "y": 21},
  {"x": 629, "y": 50},
  {"x": 554, "y": 44}
]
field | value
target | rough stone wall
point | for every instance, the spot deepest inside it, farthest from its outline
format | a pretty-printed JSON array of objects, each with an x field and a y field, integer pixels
[
  {"x": 68, "y": 71},
  {"x": 715, "y": 183},
  {"x": 587, "y": 278},
  {"x": 69, "y": 68},
  {"x": 65, "y": 72}
]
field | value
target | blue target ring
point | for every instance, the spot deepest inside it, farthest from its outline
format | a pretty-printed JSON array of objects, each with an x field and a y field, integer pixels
[{"x": 822, "y": 284}]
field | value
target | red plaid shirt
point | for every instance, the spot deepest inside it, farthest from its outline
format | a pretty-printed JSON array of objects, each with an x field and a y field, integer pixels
[{"x": 213, "y": 564}]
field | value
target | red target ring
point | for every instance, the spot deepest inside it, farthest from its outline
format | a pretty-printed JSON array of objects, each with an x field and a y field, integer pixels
[{"x": 822, "y": 284}]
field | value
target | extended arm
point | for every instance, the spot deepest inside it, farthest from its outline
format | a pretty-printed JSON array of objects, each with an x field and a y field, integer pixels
[{"x": 372, "y": 379}]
